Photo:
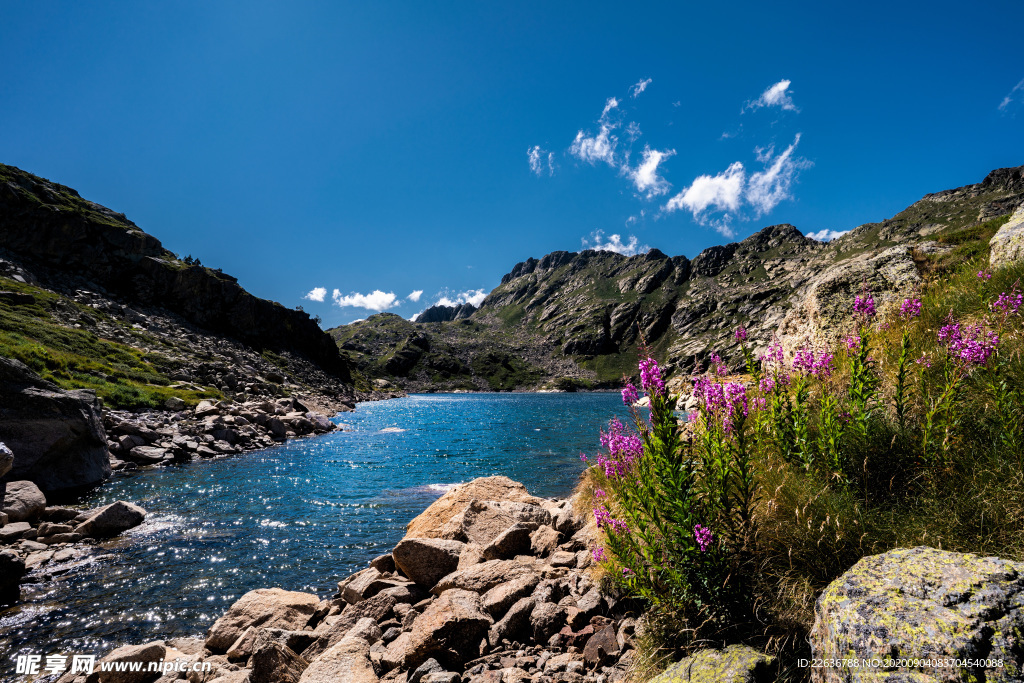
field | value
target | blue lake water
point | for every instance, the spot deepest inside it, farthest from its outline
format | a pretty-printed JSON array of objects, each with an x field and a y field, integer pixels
[{"x": 301, "y": 516}]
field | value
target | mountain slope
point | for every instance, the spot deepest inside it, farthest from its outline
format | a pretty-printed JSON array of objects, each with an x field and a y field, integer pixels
[
  {"x": 576, "y": 319},
  {"x": 92, "y": 301}
]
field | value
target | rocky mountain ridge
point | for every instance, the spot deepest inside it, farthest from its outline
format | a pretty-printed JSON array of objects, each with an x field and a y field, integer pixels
[{"x": 575, "y": 320}]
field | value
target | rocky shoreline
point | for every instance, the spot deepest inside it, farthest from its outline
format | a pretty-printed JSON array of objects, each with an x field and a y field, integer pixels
[
  {"x": 489, "y": 584},
  {"x": 61, "y": 443},
  {"x": 493, "y": 585}
]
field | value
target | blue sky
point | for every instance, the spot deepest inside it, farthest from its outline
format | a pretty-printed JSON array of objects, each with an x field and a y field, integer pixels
[{"x": 382, "y": 149}]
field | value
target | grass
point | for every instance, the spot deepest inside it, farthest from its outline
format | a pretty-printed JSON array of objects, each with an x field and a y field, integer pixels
[{"x": 122, "y": 375}]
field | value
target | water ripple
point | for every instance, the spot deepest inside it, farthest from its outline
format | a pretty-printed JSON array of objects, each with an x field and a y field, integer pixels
[{"x": 300, "y": 516}]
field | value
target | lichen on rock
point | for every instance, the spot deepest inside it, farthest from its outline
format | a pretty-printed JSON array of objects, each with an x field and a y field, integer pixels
[{"x": 923, "y": 604}]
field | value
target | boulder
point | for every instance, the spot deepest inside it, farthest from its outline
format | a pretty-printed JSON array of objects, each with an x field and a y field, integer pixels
[
  {"x": 515, "y": 621},
  {"x": 334, "y": 629},
  {"x": 547, "y": 619},
  {"x": 56, "y": 436},
  {"x": 544, "y": 541},
  {"x": 483, "y": 521},
  {"x": 348, "y": 661},
  {"x": 450, "y": 630},
  {"x": 499, "y": 599},
  {"x": 13, "y": 531},
  {"x": 430, "y": 522},
  {"x": 266, "y": 607},
  {"x": 12, "y": 568},
  {"x": 23, "y": 501},
  {"x": 601, "y": 647},
  {"x": 734, "y": 664},
  {"x": 427, "y": 560},
  {"x": 513, "y": 541},
  {"x": 147, "y": 455},
  {"x": 111, "y": 520},
  {"x": 923, "y": 603},
  {"x": 276, "y": 663},
  {"x": 481, "y": 578},
  {"x": 365, "y": 584},
  {"x": 428, "y": 667},
  {"x": 174, "y": 403},
  {"x": 1007, "y": 245},
  {"x": 150, "y": 652}
]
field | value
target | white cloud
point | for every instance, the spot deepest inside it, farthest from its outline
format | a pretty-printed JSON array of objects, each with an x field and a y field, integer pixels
[
  {"x": 1016, "y": 94},
  {"x": 316, "y": 294},
  {"x": 775, "y": 96},
  {"x": 645, "y": 176},
  {"x": 415, "y": 316},
  {"x": 539, "y": 158},
  {"x": 721, "y": 192},
  {"x": 615, "y": 243},
  {"x": 826, "y": 235},
  {"x": 415, "y": 296},
  {"x": 375, "y": 301},
  {"x": 470, "y": 296},
  {"x": 600, "y": 147},
  {"x": 769, "y": 187},
  {"x": 610, "y": 104},
  {"x": 635, "y": 90}
]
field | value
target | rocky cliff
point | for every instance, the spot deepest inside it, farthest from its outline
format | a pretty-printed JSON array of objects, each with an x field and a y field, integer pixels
[
  {"x": 51, "y": 230},
  {"x": 576, "y": 319}
]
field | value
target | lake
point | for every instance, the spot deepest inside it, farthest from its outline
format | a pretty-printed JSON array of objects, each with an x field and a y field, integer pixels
[{"x": 300, "y": 516}]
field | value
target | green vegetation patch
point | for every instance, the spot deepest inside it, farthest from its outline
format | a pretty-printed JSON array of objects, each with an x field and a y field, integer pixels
[{"x": 125, "y": 377}]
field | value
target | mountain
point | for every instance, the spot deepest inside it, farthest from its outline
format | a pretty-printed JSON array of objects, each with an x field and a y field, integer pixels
[
  {"x": 89, "y": 300},
  {"x": 576, "y": 320}
]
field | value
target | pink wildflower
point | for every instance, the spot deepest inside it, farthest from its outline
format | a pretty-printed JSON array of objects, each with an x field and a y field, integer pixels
[
  {"x": 910, "y": 308},
  {"x": 629, "y": 394},
  {"x": 703, "y": 536},
  {"x": 650, "y": 377}
]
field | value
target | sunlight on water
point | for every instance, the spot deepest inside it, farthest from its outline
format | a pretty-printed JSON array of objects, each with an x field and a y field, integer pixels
[{"x": 301, "y": 516}]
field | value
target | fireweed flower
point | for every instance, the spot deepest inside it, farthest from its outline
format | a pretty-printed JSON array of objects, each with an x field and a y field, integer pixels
[
  {"x": 773, "y": 356},
  {"x": 718, "y": 366},
  {"x": 741, "y": 333},
  {"x": 605, "y": 520},
  {"x": 1008, "y": 304},
  {"x": 722, "y": 402},
  {"x": 599, "y": 493},
  {"x": 925, "y": 361},
  {"x": 650, "y": 377},
  {"x": 624, "y": 448},
  {"x": 910, "y": 308},
  {"x": 598, "y": 554},
  {"x": 971, "y": 345},
  {"x": 864, "y": 307},
  {"x": 583, "y": 457},
  {"x": 809, "y": 363},
  {"x": 703, "y": 536},
  {"x": 984, "y": 275},
  {"x": 629, "y": 394},
  {"x": 852, "y": 342}
]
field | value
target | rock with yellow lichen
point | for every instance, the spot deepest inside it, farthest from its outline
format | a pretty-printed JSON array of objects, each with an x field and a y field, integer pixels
[
  {"x": 734, "y": 664},
  {"x": 910, "y": 614}
]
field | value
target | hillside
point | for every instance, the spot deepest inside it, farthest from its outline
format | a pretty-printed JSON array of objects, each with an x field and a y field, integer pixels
[
  {"x": 575, "y": 319},
  {"x": 89, "y": 300}
]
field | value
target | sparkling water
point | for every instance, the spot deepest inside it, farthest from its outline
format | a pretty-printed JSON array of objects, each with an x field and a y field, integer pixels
[{"x": 300, "y": 516}]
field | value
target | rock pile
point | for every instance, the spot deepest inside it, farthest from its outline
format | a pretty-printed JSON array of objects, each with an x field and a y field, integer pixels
[
  {"x": 208, "y": 430},
  {"x": 36, "y": 535},
  {"x": 486, "y": 588}
]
